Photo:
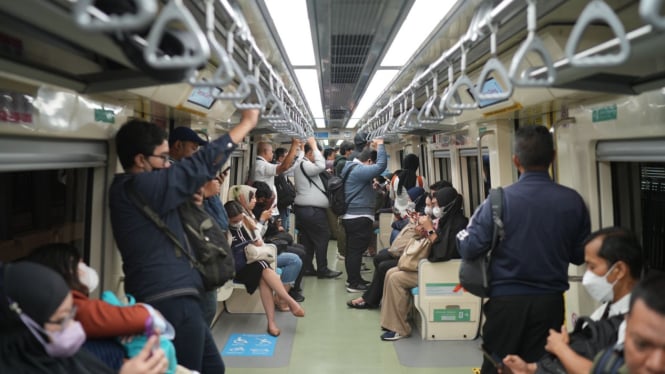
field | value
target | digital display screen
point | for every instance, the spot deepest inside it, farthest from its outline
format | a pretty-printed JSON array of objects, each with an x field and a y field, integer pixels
[
  {"x": 490, "y": 86},
  {"x": 204, "y": 96}
]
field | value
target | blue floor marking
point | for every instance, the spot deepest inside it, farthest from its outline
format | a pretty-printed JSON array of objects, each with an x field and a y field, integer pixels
[{"x": 250, "y": 345}]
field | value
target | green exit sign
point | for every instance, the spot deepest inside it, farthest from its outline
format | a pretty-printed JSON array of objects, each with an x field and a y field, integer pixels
[
  {"x": 103, "y": 115},
  {"x": 607, "y": 113},
  {"x": 452, "y": 315}
]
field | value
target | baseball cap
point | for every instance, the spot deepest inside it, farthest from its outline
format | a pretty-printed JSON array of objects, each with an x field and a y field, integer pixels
[{"x": 185, "y": 134}]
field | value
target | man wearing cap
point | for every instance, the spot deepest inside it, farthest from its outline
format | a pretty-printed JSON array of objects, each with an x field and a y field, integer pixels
[{"x": 184, "y": 142}]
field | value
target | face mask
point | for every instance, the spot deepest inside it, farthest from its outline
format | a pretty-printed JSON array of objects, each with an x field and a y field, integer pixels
[
  {"x": 598, "y": 287},
  {"x": 88, "y": 276},
  {"x": 236, "y": 225},
  {"x": 428, "y": 210},
  {"x": 64, "y": 343},
  {"x": 437, "y": 212}
]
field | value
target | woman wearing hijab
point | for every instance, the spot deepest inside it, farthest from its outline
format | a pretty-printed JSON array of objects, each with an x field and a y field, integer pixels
[
  {"x": 441, "y": 234},
  {"x": 38, "y": 333},
  {"x": 402, "y": 182},
  {"x": 257, "y": 274},
  {"x": 288, "y": 262},
  {"x": 102, "y": 322}
]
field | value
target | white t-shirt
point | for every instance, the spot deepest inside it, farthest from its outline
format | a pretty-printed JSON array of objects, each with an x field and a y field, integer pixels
[{"x": 265, "y": 172}]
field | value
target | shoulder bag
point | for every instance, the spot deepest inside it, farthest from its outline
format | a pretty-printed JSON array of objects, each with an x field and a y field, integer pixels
[
  {"x": 416, "y": 250},
  {"x": 474, "y": 275}
]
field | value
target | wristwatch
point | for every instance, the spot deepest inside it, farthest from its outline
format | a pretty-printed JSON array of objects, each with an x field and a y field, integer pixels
[{"x": 430, "y": 232}]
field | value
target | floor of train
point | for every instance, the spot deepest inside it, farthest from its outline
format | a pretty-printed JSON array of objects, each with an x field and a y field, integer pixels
[{"x": 333, "y": 338}]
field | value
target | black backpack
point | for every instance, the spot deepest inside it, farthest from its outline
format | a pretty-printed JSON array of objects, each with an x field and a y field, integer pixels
[
  {"x": 286, "y": 192},
  {"x": 588, "y": 338},
  {"x": 337, "y": 194},
  {"x": 211, "y": 251}
]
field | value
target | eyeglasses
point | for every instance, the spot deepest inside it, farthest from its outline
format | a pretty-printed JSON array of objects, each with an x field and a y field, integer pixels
[
  {"x": 164, "y": 158},
  {"x": 65, "y": 320}
]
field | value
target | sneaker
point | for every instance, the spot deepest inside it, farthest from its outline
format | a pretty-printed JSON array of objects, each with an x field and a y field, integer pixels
[
  {"x": 364, "y": 268},
  {"x": 357, "y": 288},
  {"x": 296, "y": 295},
  {"x": 392, "y": 336},
  {"x": 366, "y": 282}
]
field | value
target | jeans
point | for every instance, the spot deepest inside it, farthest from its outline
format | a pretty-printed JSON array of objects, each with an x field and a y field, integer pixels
[
  {"x": 358, "y": 236},
  {"x": 290, "y": 264},
  {"x": 285, "y": 215},
  {"x": 209, "y": 306}
]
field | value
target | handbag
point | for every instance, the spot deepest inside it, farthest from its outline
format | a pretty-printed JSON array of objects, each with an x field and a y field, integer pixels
[
  {"x": 474, "y": 274},
  {"x": 203, "y": 236},
  {"x": 416, "y": 250},
  {"x": 402, "y": 240},
  {"x": 265, "y": 252}
]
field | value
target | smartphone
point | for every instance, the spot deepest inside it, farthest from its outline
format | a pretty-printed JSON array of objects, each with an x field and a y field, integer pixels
[{"x": 492, "y": 357}]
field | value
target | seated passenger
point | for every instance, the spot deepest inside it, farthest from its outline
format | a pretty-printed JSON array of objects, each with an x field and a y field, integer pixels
[
  {"x": 383, "y": 261},
  {"x": 101, "y": 321},
  {"x": 398, "y": 283},
  {"x": 289, "y": 263},
  {"x": 643, "y": 350},
  {"x": 401, "y": 183},
  {"x": 38, "y": 333},
  {"x": 258, "y": 274},
  {"x": 614, "y": 263}
]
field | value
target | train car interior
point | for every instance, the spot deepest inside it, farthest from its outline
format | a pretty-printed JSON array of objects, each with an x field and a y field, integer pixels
[{"x": 448, "y": 80}]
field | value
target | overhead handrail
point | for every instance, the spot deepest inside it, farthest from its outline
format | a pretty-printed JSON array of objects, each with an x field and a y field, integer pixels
[
  {"x": 650, "y": 13},
  {"x": 411, "y": 116},
  {"x": 243, "y": 89},
  {"x": 276, "y": 113},
  {"x": 452, "y": 100},
  {"x": 224, "y": 73},
  {"x": 533, "y": 43},
  {"x": 89, "y": 17},
  {"x": 597, "y": 10},
  {"x": 429, "y": 113},
  {"x": 493, "y": 65},
  {"x": 253, "y": 82},
  {"x": 193, "y": 54},
  {"x": 444, "y": 110}
]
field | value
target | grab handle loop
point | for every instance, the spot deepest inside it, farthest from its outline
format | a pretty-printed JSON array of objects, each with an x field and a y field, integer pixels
[
  {"x": 89, "y": 17},
  {"x": 493, "y": 65},
  {"x": 597, "y": 10},
  {"x": 533, "y": 43},
  {"x": 254, "y": 85},
  {"x": 193, "y": 54},
  {"x": 444, "y": 109},
  {"x": 650, "y": 13},
  {"x": 224, "y": 74},
  {"x": 463, "y": 80}
]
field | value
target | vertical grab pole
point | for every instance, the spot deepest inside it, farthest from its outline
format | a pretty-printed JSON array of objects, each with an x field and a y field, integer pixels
[{"x": 481, "y": 184}]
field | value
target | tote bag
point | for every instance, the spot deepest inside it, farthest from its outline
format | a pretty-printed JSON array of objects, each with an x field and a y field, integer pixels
[{"x": 416, "y": 250}]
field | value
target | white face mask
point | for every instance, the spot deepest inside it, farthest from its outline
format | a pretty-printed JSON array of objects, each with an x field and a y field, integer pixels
[
  {"x": 428, "y": 210},
  {"x": 598, "y": 287},
  {"x": 437, "y": 212},
  {"x": 88, "y": 276},
  {"x": 236, "y": 225}
]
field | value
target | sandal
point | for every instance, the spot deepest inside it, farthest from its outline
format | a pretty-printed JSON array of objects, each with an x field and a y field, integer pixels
[{"x": 360, "y": 305}]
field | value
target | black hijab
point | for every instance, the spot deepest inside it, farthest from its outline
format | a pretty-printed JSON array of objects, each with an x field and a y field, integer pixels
[
  {"x": 453, "y": 221},
  {"x": 407, "y": 176},
  {"x": 38, "y": 291}
]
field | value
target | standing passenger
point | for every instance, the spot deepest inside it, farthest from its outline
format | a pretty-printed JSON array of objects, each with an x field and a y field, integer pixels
[
  {"x": 545, "y": 225},
  {"x": 310, "y": 207},
  {"x": 359, "y": 218},
  {"x": 266, "y": 172},
  {"x": 154, "y": 273},
  {"x": 184, "y": 142},
  {"x": 335, "y": 222}
]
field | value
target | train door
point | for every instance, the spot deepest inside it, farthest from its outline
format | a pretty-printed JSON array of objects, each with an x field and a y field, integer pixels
[
  {"x": 637, "y": 174},
  {"x": 442, "y": 166}
]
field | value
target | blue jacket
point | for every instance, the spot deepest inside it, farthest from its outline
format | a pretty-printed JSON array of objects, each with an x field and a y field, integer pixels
[
  {"x": 360, "y": 179},
  {"x": 152, "y": 269},
  {"x": 545, "y": 225},
  {"x": 213, "y": 206}
]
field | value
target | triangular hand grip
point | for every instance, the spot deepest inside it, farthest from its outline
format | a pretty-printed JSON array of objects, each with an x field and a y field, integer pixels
[
  {"x": 532, "y": 44},
  {"x": 452, "y": 100},
  {"x": 243, "y": 89},
  {"x": 493, "y": 64},
  {"x": 254, "y": 85},
  {"x": 89, "y": 17},
  {"x": 444, "y": 110},
  {"x": 428, "y": 112},
  {"x": 650, "y": 12},
  {"x": 597, "y": 10},
  {"x": 194, "y": 53},
  {"x": 276, "y": 113}
]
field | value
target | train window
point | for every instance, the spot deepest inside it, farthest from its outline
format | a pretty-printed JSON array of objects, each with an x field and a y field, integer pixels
[
  {"x": 42, "y": 206},
  {"x": 470, "y": 179},
  {"x": 443, "y": 165},
  {"x": 639, "y": 202}
]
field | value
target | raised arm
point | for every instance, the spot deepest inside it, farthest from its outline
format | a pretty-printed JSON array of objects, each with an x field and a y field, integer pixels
[
  {"x": 288, "y": 160},
  {"x": 248, "y": 120}
]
